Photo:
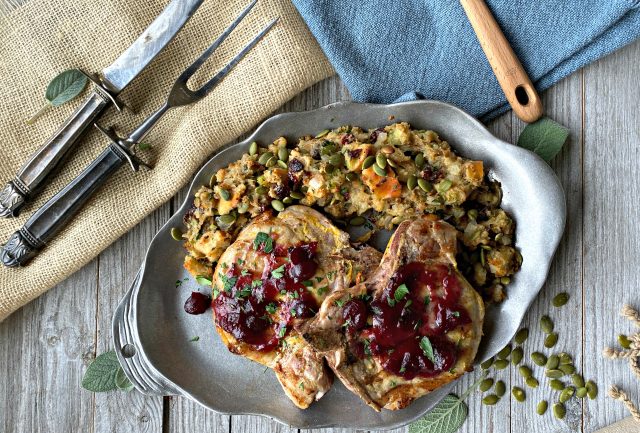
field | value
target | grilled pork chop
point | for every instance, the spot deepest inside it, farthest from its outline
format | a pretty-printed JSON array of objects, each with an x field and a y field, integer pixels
[
  {"x": 412, "y": 326},
  {"x": 274, "y": 278}
]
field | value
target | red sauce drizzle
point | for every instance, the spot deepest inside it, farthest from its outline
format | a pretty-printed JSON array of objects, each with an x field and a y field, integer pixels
[
  {"x": 245, "y": 309},
  {"x": 429, "y": 309}
]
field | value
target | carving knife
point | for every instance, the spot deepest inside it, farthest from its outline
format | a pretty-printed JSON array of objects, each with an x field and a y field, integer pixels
[{"x": 113, "y": 79}]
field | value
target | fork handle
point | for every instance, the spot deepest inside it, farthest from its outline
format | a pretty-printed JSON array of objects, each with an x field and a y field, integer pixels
[
  {"x": 43, "y": 225},
  {"x": 513, "y": 79}
]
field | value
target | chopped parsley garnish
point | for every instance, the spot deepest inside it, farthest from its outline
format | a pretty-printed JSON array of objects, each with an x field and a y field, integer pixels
[
  {"x": 301, "y": 385},
  {"x": 196, "y": 338},
  {"x": 271, "y": 308},
  {"x": 282, "y": 331},
  {"x": 367, "y": 347},
  {"x": 294, "y": 295},
  {"x": 456, "y": 314},
  {"x": 244, "y": 273},
  {"x": 278, "y": 272},
  {"x": 263, "y": 240},
  {"x": 224, "y": 265},
  {"x": 427, "y": 348},
  {"x": 339, "y": 303},
  {"x": 307, "y": 283},
  {"x": 391, "y": 302},
  {"x": 401, "y": 292},
  {"x": 403, "y": 369},
  {"x": 408, "y": 304},
  {"x": 256, "y": 283},
  {"x": 216, "y": 292},
  {"x": 393, "y": 383},
  {"x": 331, "y": 275},
  {"x": 318, "y": 279},
  {"x": 322, "y": 290},
  {"x": 244, "y": 292},
  {"x": 240, "y": 261},
  {"x": 427, "y": 299},
  {"x": 283, "y": 292},
  {"x": 228, "y": 282},
  {"x": 202, "y": 280},
  {"x": 293, "y": 312},
  {"x": 178, "y": 283}
]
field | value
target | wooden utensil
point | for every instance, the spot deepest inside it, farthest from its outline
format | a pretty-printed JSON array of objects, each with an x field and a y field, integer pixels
[{"x": 513, "y": 79}]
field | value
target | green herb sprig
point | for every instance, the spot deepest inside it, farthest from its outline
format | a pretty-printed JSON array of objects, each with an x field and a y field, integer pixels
[
  {"x": 62, "y": 89},
  {"x": 105, "y": 374}
]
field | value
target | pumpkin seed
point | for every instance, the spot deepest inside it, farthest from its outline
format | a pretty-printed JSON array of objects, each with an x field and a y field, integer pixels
[
  {"x": 336, "y": 160},
  {"x": 444, "y": 186},
  {"x": 287, "y": 200},
  {"x": 560, "y": 299},
  {"x": 522, "y": 336},
  {"x": 283, "y": 154},
  {"x": 212, "y": 180},
  {"x": 566, "y": 394},
  {"x": 532, "y": 382},
  {"x": 243, "y": 207},
  {"x": 226, "y": 195},
  {"x": 505, "y": 280},
  {"x": 304, "y": 189},
  {"x": 490, "y": 400},
  {"x": 261, "y": 180},
  {"x": 387, "y": 150},
  {"x": 559, "y": 410},
  {"x": 412, "y": 181},
  {"x": 557, "y": 384},
  {"x": 542, "y": 407},
  {"x": 473, "y": 213},
  {"x": 501, "y": 364},
  {"x": 551, "y": 340},
  {"x": 504, "y": 353},
  {"x": 525, "y": 371},
  {"x": 539, "y": 358},
  {"x": 262, "y": 190},
  {"x": 516, "y": 355},
  {"x": 176, "y": 233},
  {"x": 518, "y": 394},
  {"x": 328, "y": 149},
  {"x": 567, "y": 368},
  {"x": 368, "y": 162},
  {"x": 277, "y": 205},
  {"x": 577, "y": 380},
  {"x": 379, "y": 170},
  {"x": 624, "y": 341},
  {"x": 322, "y": 133},
  {"x": 552, "y": 362},
  {"x": 419, "y": 161},
  {"x": 296, "y": 195},
  {"x": 253, "y": 148},
  {"x": 487, "y": 364},
  {"x": 391, "y": 163},
  {"x": 592, "y": 389},
  {"x": 565, "y": 358},
  {"x": 272, "y": 161},
  {"x": 357, "y": 221},
  {"x": 554, "y": 374},
  {"x": 546, "y": 324},
  {"x": 225, "y": 221},
  {"x": 282, "y": 164},
  {"x": 351, "y": 177},
  {"x": 486, "y": 384},
  {"x": 265, "y": 157},
  {"x": 581, "y": 392},
  {"x": 381, "y": 160},
  {"x": 424, "y": 185},
  {"x": 500, "y": 388}
]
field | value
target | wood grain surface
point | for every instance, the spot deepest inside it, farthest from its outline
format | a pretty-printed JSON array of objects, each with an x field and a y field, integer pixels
[{"x": 46, "y": 346}]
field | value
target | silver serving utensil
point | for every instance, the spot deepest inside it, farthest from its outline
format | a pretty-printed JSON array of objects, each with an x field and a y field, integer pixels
[
  {"x": 113, "y": 80},
  {"x": 54, "y": 214}
]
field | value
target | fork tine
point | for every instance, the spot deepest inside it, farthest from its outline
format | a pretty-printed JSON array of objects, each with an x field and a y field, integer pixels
[
  {"x": 209, "y": 85},
  {"x": 184, "y": 77}
]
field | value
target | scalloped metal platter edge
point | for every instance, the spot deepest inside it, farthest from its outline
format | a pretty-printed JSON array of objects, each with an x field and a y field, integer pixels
[{"x": 151, "y": 316}]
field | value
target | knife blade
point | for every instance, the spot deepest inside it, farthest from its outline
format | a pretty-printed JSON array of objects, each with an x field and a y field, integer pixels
[{"x": 113, "y": 80}]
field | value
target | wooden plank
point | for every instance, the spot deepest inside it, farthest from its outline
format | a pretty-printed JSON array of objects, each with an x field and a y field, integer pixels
[
  {"x": 611, "y": 235},
  {"x": 45, "y": 348},
  {"x": 118, "y": 266},
  {"x": 562, "y": 103}
]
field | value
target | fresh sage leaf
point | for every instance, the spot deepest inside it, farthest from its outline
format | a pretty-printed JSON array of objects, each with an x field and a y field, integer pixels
[
  {"x": 66, "y": 86},
  {"x": 101, "y": 374},
  {"x": 446, "y": 417},
  {"x": 122, "y": 382},
  {"x": 544, "y": 137}
]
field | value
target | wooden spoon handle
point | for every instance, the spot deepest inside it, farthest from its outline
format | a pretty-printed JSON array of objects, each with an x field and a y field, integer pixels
[{"x": 513, "y": 79}]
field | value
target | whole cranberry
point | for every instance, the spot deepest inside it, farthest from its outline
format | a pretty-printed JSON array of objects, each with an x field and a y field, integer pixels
[{"x": 197, "y": 303}]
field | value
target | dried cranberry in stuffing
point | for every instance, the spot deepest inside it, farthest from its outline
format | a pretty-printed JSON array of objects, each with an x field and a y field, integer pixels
[
  {"x": 281, "y": 190},
  {"x": 347, "y": 138},
  {"x": 197, "y": 303},
  {"x": 295, "y": 165}
]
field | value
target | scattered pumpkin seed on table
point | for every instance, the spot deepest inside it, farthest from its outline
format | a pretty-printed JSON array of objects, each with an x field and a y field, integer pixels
[
  {"x": 487, "y": 364},
  {"x": 525, "y": 371},
  {"x": 501, "y": 364},
  {"x": 554, "y": 374},
  {"x": 566, "y": 394},
  {"x": 542, "y": 407},
  {"x": 490, "y": 400},
  {"x": 565, "y": 358},
  {"x": 567, "y": 368},
  {"x": 552, "y": 362},
  {"x": 546, "y": 324},
  {"x": 516, "y": 355},
  {"x": 560, "y": 299},
  {"x": 559, "y": 410},
  {"x": 521, "y": 336},
  {"x": 539, "y": 358},
  {"x": 519, "y": 394},
  {"x": 624, "y": 341},
  {"x": 504, "y": 353},
  {"x": 176, "y": 234},
  {"x": 581, "y": 392},
  {"x": 532, "y": 382},
  {"x": 500, "y": 388},
  {"x": 486, "y": 384},
  {"x": 577, "y": 380},
  {"x": 592, "y": 389},
  {"x": 557, "y": 384},
  {"x": 551, "y": 340}
]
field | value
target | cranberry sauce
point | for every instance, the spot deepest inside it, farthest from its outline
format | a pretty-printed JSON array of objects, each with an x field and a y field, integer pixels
[
  {"x": 410, "y": 320},
  {"x": 197, "y": 303},
  {"x": 259, "y": 309}
]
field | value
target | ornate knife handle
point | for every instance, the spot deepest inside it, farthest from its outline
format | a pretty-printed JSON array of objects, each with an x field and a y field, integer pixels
[
  {"x": 44, "y": 160},
  {"x": 24, "y": 244}
]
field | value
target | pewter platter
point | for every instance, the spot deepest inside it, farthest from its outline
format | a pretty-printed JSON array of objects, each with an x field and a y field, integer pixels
[{"x": 151, "y": 331}]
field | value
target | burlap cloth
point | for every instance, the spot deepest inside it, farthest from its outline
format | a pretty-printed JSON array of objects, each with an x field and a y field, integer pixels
[{"x": 44, "y": 37}]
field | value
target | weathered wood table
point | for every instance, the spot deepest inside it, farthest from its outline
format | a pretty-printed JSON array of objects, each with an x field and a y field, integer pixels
[{"x": 46, "y": 346}]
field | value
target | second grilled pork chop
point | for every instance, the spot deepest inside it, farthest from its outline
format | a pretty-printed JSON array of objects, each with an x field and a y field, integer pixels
[
  {"x": 273, "y": 278},
  {"x": 412, "y": 326}
]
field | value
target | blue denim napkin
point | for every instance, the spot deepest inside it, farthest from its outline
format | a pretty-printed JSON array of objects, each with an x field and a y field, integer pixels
[{"x": 384, "y": 50}]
